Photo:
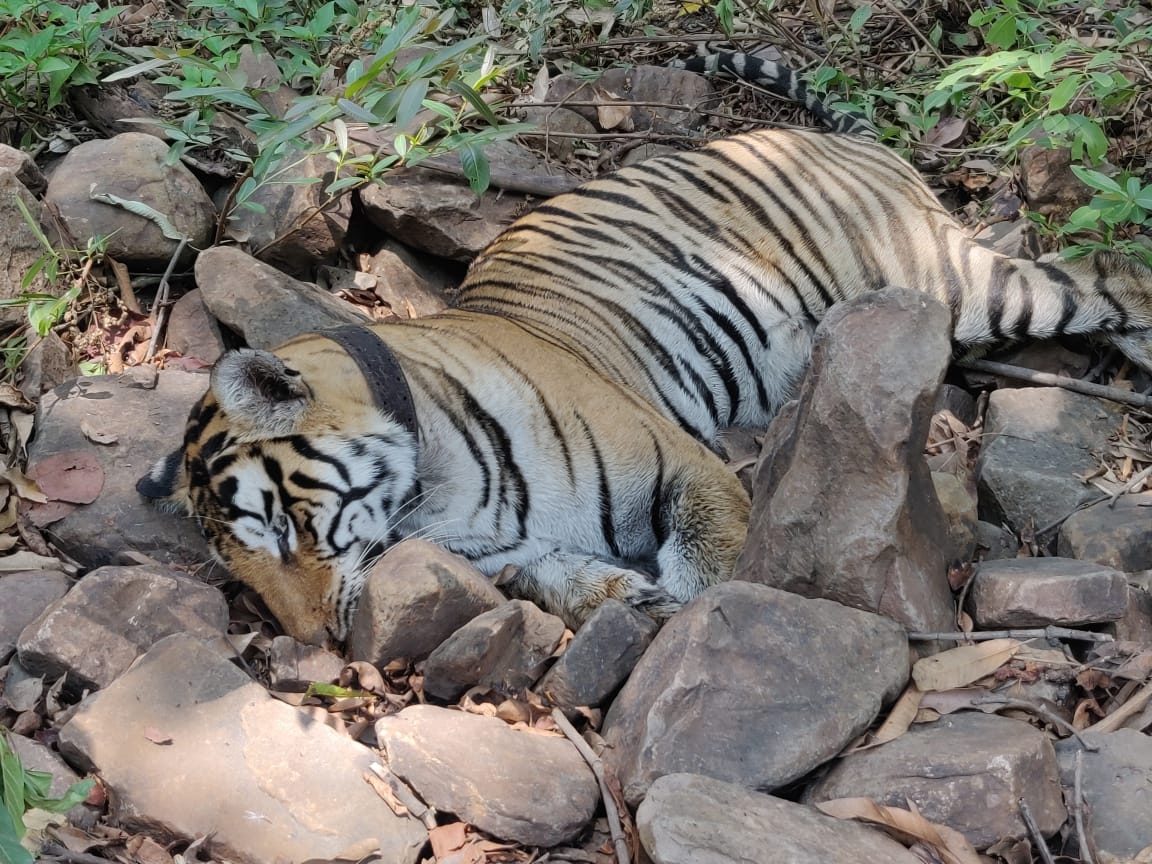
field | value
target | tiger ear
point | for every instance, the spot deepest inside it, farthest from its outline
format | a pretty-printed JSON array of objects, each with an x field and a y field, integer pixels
[
  {"x": 166, "y": 483},
  {"x": 256, "y": 389}
]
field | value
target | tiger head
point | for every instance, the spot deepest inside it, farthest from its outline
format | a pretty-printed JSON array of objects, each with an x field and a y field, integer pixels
[{"x": 295, "y": 477}]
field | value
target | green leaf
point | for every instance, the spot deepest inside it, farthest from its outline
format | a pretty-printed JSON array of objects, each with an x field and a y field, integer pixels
[
  {"x": 1096, "y": 180},
  {"x": 473, "y": 98},
  {"x": 11, "y": 851},
  {"x": 1002, "y": 33},
  {"x": 1090, "y": 136},
  {"x": 1041, "y": 64},
  {"x": 860, "y": 18},
  {"x": 1063, "y": 93},
  {"x": 475, "y": 165},
  {"x": 411, "y": 102}
]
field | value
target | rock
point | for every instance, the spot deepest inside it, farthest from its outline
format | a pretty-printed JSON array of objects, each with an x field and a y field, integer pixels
[
  {"x": 131, "y": 166},
  {"x": 559, "y": 128},
  {"x": 26, "y": 170},
  {"x": 24, "y": 595},
  {"x": 192, "y": 331},
  {"x": 870, "y": 537},
  {"x": 1119, "y": 536},
  {"x": 1136, "y": 625},
  {"x": 1036, "y": 592},
  {"x": 967, "y": 771},
  {"x": 426, "y": 210},
  {"x": 19, "y": 248},
  {"x": 294, "y": 786},
  {"x": 113, "y": 615},
  {"x": 620, "y": 89},
  {"x": 148, "y": 424},
  {"x": 957, "y": 400},
  {"x": 690, "y": 819},
  {"x": 600, "y": 656},
  {"x": 1049, "y": 186},
  {"x": 1116, "y": 790},
  {"x": 292, "y": 661},
  {"x": 47, "y": 365},
  {"x": 410, "y": 285},
  {"x": 34, "y": 756},
  {"x": 994, "y": 542},
  {"x": 517, "y": 785},
  {"x": 262, "y": 304},
  {"x": 959, "y": 506},
  {"x": 504, "y": 649},
  {"x": 414, "y": 598},
  {"x": 726, "y": 689},
  {"x": 1035, "y": 441}
]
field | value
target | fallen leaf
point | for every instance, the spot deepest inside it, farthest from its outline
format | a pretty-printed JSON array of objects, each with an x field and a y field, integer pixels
[
  {"x": 947, "y": 132},
  {"x": 156, "y": 736},
  {"x": 901, "y": 716},
  {"x": 960, "y": 666},
  {"x": 12, "y": 397},
  {"x": 368, "y": 677},
  {"x": 43, "y": 515},
  {"x": 73, "y": 476},
  {"x": 96, "y": 436},
  {"x": 615, "y": 115},
  {"x": 22, "y": 485},
  {"x": 24, "y": 560},
  {"x": 950, "y": 844},
  {"x": 446, "y": 839},
  {"x": 147, "y": 851}
]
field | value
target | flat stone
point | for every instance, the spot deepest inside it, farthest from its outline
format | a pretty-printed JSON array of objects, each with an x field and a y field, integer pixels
[
  {"x": 690, "y": 819},
  {"x": 600, "y": 656},
  {"x": 1035, "y": 592},
  {"x": 504, "y": 649},
  {"x": 718, "y": 691},
  {"x": 24, "y": 595},
  {"x": 994, "y": 542},
  {"x": 1036, "y": 440},
  {"x": 294, "y": 787},
  {"x": 517, "y": 785},
  {"x": 416, "y": 596},
  {"x": 872, "y": 537},
  {"x": 967, "y": 771},
  {"x": 113, "y": 615},
  {"x": 292, "y": 661},
  {"x": 1116, "y": 789},
  {"x": 1119, "y": 535},
  {"x": 147, "y": 425}
]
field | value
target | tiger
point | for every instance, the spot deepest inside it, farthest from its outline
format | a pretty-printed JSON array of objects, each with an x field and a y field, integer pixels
[{"x": 560, "y": 422}]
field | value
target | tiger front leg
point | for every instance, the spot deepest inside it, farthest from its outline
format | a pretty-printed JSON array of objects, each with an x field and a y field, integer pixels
[{"x": 571, "y": 585}]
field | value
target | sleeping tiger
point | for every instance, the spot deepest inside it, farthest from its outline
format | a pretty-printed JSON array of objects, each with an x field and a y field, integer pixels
[{"x": 559, "y": 417}]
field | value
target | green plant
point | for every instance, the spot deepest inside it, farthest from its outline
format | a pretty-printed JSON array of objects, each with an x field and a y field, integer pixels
[
  {"x": 22, "y": 790},
  {"x": 47, "y": 47},
  {"x": 1120, "y": 206}
]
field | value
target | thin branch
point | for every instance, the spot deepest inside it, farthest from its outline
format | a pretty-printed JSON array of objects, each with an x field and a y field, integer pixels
[
  {"x": 1078, "y": 810},
  {"x": 1041, "y": 712},
  {"x": 1034, "y": 833},
  {"x": 1125, "y": 712},
  {"x": 1051, "y": 633},
  {"x": 618, "y": 839},
  {"x": 1115, "y": 394},
  {"x": 162, "y": 305}
]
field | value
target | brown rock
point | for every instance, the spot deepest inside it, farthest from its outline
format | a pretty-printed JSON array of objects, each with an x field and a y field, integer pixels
[
  {"x": 504, "y": 649},
  {"x": 968, "y": 771},
  {"x": 843, "y": 505},
  {"x": 1119, "y": 535},
  {"x": 719, "y": 691},
  {"x": 1050, "y": 187},
  {"x": 192, "y": 331},
  {"x": 147, "y": 425},
  {"x": 1036, "y": 592},
  {"x": 690, "y": 819},
  {"x": 409, "y": 284},
  {"x": 292, "y": 661},
  {"x": 264, "y": 305},
  {"x": 25, "y": 169},
  {"x": 294, "y": 787},
  {"x": 113, "y": 615},
  {"x": 621, "y": 87},
  {"x": 514, "y": 784},
  {"x": 414, "y": 598},
  {"x": 132, "y": 166},
  {"x": 959, "y": 505}
]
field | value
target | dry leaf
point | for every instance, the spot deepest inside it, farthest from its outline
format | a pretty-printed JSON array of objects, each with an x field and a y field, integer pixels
[
  {"x": 96, "y": 436},
  {"x": 73, "y": 476},
  {"x": 22, "y": 485},
  {"x": 157, "y": 737},
  {"x": 901, "y": 716},
  {"x": 147, "y": 851},
  {"x": 43, "y": 515},
  {"x": 958, "y": 667},
  {"x": 446, "y": 839},
  {"x": 950, "y": 845},
  {"x": 11, "y": 397},
  {"x": 25, "y": 560}
]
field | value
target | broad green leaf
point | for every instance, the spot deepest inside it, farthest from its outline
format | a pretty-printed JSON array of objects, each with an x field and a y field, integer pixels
[
  {"x": 473, "y": 98},
  {"x": 1096, "y": 180},
  {"x": 1002, "y": 33},
  {"x": 1041, "y": 64},
  {"x": 1063, "y": 93},
  {"x": 138, "y": 69},
  {"x": 475, "y": 165},
  {"x": 860, "y": 18},
  {"x": 356, "y": 112},
  {"x": 411, "y": 101}
]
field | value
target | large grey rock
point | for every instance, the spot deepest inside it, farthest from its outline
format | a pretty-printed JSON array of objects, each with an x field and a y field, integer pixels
[
  {"x": 843, "y": 505},
  {"x": 967, "y": 770},
  {"x": 132, "y": 166},
  {"x": 720, "y": 691},
  {"x": 600, "y": 656},
  {"x": 504, "y": 649},
  {"x": 24, "y": 595},
  {"x": 659, "y": 86},
  {"x": 1119, "y": 536},
  {"x": 262, "y": 304},
  {"x": 1116, "y": 789},
  {"x": 1036, "y": 440},
  {"x": 206, "y": 752},
  {"x": 113, "y": 615},
  {"x": 515, "y": 784},
  {"x": 415, "y": 597},
  {"x": 192, "y": 331},
  {"x": 1036, "y": 592},
  {"x": 147, "y": 425},
  {"x": 690, "y": 819}
]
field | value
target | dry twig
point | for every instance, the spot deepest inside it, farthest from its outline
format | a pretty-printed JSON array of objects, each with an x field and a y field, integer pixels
[
  {"x": 1114, "y": 394},
  {"x": 1051, "y": 633}
]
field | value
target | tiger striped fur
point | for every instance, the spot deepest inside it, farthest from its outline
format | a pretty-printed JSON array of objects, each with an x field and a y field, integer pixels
[{"x": 592, "y": 347}]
